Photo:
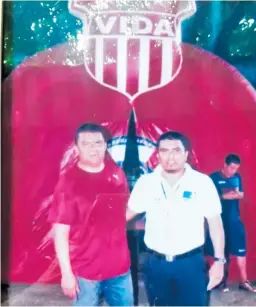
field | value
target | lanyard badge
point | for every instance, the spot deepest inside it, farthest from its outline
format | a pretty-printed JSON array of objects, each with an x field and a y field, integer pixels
[{"x": 187, "y": 194}]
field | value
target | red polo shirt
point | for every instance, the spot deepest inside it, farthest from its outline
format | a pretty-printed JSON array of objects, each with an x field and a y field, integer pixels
[{"x": 94, "y": 205}]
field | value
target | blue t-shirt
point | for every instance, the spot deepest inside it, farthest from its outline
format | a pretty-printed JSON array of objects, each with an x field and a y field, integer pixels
[{"x": 230, "y": 207}]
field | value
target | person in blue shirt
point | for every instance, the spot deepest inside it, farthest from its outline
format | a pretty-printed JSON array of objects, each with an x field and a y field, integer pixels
[{"x": 229, "y": 186}]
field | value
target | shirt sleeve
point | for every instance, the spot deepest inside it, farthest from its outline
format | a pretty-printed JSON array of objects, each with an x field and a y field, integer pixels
[
  {"x": 62, "y": 209},
  {"x": 125, "y": 184},
  {"x": 124, "y": 189},
  {"x": 240, "y": 184},
  {"x": 215, "y": 182},
  {"x": 210, "y": 199},
  {"x": 138, "y": 198}
]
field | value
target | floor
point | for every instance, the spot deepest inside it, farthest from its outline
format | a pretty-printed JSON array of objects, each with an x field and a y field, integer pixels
[
  {"x": 41, "y": 295},
  {"x": 51, "y": 295}
]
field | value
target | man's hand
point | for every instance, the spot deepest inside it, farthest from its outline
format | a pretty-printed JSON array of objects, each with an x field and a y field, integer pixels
[
  {"x": 230, "y": 195},
  {"x": 69, "y": 285},
  {"x": 61, "y": 242},
  {"x": 130, "y": 214},
  {"x": 239, "y": 195},
  {"x": 216, "y": 274},
  {"x": 233, "y": 195}
]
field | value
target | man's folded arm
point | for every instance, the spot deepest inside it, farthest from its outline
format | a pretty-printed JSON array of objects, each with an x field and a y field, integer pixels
[{"x": 233, "y": 195}]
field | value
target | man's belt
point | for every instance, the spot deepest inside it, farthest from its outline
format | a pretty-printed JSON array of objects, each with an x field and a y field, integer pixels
[{"x": 177, "y": 257}]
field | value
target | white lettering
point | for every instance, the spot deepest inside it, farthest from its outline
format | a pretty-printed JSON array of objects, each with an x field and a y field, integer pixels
[
  {"x": 163, "y": 27},
  {"x": 138, "y": 24},
  {"x": 105, "y": 29},
  {"x": 124, "y": 29}
]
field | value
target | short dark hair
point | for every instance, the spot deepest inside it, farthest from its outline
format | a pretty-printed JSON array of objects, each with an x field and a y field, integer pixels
[
  {"x": 232, "y": 158},
  {"x": 173, "y": 135},
  {"x": 93, "y": 128}
]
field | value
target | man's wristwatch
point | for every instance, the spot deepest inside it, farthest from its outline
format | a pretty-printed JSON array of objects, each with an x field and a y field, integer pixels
[{"x": 222, "y": 260}]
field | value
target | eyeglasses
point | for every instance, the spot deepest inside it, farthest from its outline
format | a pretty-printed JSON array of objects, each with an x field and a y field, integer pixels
[{"x": 98, "y": 144}]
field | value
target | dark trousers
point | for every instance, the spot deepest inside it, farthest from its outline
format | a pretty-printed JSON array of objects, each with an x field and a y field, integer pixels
[{"x": 182, "y": 282}]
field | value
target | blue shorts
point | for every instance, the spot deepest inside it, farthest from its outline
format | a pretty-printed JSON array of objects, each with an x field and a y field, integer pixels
[{"x": 235, "y": 240}]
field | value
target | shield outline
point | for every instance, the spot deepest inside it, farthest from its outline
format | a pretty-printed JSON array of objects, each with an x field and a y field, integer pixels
[{"x": 82, "y": 13}]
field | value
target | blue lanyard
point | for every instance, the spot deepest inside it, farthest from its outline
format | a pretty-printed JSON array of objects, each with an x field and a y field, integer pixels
[
  {"x": 165, "y": 196},
  {"x": 163, "y": 189}
]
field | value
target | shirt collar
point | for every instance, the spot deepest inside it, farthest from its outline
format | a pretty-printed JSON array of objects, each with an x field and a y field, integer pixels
[{"x": 158, "y": 170}]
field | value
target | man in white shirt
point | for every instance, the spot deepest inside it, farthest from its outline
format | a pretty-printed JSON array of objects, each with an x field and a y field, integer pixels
[{"x": 176, "y": 199}]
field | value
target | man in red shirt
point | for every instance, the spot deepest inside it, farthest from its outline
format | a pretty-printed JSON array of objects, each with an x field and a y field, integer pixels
[{"x": 88, "y": 216}]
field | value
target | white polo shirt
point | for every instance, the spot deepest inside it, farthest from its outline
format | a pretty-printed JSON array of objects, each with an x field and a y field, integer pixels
[{"x": 175, "y": 215}]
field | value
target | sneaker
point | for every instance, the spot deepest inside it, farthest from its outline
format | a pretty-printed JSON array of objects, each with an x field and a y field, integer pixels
[
  {"x": 247, "y": 286},
  {"x": 223, "y": 287}
]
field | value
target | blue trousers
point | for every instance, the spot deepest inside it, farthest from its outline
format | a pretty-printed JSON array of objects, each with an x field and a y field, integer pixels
[
  {"x": 182, "y": 282},
  {"x": 116, "y": 291}
]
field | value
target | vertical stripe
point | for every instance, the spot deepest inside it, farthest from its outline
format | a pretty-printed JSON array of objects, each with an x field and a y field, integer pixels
[
  {"x": 122, "y": 63},
  {"x": 155, "y": 67},
  {"x": 167, "y": 61},
  {"x": 133, "y": 50},
  {"x": 99, "y": 59},
  {"x": 110, "y": 57},
  {"x": 144, "y": 63},
  {"x": 89, "y": 54}
]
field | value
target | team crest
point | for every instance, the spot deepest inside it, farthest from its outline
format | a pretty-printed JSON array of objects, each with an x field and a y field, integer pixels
[{"x": 125, "y": 39}]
